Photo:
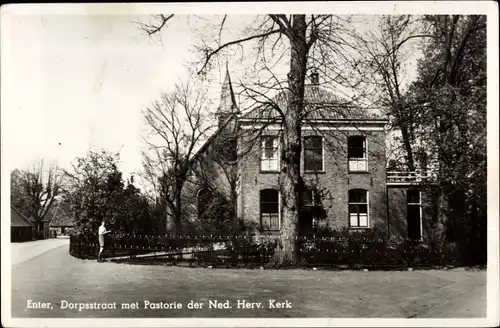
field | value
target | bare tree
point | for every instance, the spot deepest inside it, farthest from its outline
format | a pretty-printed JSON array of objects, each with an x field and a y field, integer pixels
[
  {"x": 295, "y": 36},
  {"x": 39, "y": 187},
  {"x": 177, "y": 124},
  {"x": 384, "y": 53}
]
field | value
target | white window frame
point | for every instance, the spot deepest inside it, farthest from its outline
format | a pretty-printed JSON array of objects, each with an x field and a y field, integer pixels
[
  {"x": 367, "y": 210},
  {"x": 419, "y": 204},
  {"x": 279, "y": 210},
  {"x": 322, "y": 154},
  {"x": 356, "y": 160},
  {"x": 265, "y": 163}
]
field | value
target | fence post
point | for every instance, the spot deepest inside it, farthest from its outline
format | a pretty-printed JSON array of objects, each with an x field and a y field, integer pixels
[{"x": 127, "y": 244}]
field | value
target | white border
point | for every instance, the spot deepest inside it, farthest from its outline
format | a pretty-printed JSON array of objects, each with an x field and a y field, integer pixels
[
  {"x": 489, "y": 8},
  {"x": 306, "y": 7}
]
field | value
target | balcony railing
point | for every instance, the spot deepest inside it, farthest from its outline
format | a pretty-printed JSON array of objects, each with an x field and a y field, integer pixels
[{"x": 408, "y": 177}]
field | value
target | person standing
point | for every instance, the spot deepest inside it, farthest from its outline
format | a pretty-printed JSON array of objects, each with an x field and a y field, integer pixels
[{"x": 102, "y": 232}]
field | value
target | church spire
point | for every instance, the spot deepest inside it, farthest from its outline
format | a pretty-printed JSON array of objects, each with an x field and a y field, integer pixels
[{"x": 227, "y": 104}]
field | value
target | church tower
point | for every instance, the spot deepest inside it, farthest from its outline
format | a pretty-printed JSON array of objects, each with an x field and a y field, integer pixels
[{"x": 227, "y": 104}]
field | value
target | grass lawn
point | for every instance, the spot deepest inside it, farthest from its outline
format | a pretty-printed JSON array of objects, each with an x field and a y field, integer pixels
[{"x": 56, "y": 276}]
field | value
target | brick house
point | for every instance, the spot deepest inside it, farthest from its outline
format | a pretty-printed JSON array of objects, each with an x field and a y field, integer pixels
[{"x": 343, "y": 165}]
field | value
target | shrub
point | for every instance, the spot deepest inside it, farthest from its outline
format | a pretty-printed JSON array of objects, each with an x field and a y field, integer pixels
[
  {"x": 219, "y": 219},
  {"x": 341, "y": 249}
]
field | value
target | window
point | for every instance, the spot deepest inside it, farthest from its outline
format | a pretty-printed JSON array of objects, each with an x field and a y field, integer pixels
[
  {"x": 313, "y": 154},
  {"x": 311, "y": 198},
  {"x": 269, "y": 209},
  {"x": 358, "y": 208},
  {"x": 269, "y": 160},
  {"x": 356, "y": 154},
  {"x": 203, "y": 200},
  {"x": 229, "y": 150},
  {"x": 414, "y": 214}
]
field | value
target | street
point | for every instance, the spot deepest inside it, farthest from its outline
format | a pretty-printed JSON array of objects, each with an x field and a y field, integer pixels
[
  {"x": 50, "y": 283},
  {"x": 22, "y": 252}
]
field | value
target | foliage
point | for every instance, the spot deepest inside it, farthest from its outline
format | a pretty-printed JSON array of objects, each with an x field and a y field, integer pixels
[
  {"x": 98, "y": 193},
  {"x": 449, "y": 99},
  {"x": 19, "y": 198},
  {"x": 440, "y": 116},
  {"x": 219, "y": 218}
]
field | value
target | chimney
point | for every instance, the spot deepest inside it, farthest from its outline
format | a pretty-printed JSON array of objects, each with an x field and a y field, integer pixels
[{"x": 314, "y": 78}]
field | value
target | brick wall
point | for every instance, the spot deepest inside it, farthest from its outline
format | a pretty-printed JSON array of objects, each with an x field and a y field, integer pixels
[{"x": 335, "y": 179}]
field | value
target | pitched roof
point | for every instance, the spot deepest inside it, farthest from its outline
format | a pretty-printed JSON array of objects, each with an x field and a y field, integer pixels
[
  {"x": 61, "y": 216},
  {"x": 17, "y": 219},
  {"x": 319, "y": 104},
  {"x": 328, "y": 106},
  {"x": 212, "y": 137}
]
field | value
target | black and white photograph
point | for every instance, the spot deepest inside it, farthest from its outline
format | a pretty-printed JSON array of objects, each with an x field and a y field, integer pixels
[{"x": 250, "y": 164}]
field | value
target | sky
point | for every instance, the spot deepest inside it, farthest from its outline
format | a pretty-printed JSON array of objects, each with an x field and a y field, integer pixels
[{"x": 80, "y": 82}]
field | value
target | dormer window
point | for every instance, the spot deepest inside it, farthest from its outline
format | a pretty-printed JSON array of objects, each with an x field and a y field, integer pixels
[{"x": 356, "y": 154}]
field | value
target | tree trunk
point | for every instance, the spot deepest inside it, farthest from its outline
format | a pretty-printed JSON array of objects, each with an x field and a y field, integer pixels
[
  {"x": 442, "y": 205},
  {"x": 39, "y": 228},
  {"x": 291, "y": 184},
  {"x": 407, "y": 146}
]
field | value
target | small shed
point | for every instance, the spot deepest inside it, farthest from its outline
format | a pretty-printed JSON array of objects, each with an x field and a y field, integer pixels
[{"x": 21, "y": 229}]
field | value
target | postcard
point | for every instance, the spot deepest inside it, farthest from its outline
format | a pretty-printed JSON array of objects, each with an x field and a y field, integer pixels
[{"x": 250, "y": 164}]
